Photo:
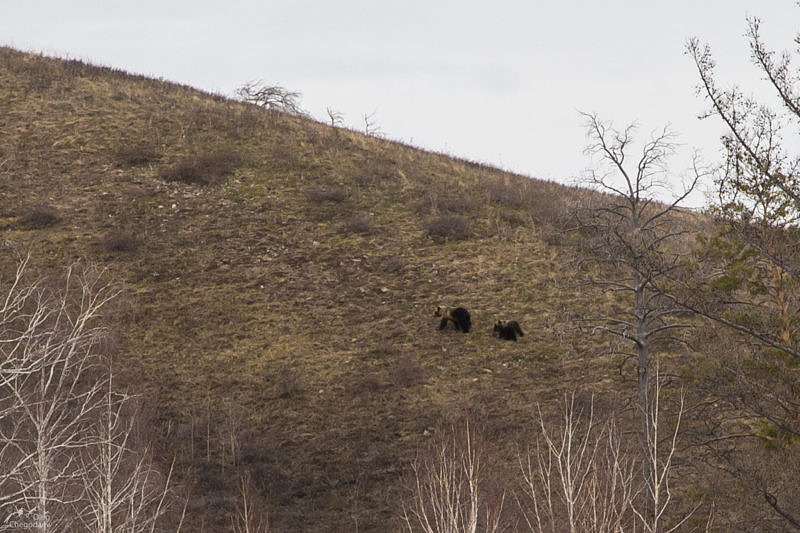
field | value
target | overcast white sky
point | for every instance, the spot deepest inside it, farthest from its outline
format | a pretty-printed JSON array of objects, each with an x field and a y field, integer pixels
[{"x": 499, "y": 82}]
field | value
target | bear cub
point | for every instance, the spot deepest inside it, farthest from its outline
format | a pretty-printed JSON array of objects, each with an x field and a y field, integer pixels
[{"x": 508, "y": 330}]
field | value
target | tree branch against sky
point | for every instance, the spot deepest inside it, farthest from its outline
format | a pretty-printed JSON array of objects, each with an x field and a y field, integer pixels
[
  {"x": 747, "y": 276},
  {"x": 632, "y": 244}
]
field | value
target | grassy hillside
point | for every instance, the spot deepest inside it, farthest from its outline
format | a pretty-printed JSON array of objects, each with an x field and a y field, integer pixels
[{"x": 280, "y": 278}]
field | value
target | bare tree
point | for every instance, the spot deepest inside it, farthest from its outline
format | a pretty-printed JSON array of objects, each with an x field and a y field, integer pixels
[
  {"x": 750, "y": 276},
  {"x": 581, "y": 477},
  {"x": 758, "y": 186},
  {"x": 48, "y": 338},
  {"x": 336, "y": 117},
  {"x": 636, "y": 245},
  {"x": 247, "y": 517},
  {"x": 656, "y": 490},
  {"x": 448, "y": 493},
  {"x": 272, "y": 97},
  {"x": 67, "y": 458},
  {"x": 370, "y": 127},
  {"x": 122, "y": 489},
  {"x": 578, "y": 478},
  {"x": 13, "y": 331}
]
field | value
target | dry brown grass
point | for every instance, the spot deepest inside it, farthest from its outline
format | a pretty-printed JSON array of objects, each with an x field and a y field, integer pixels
[
  {"x": 119, "y": 240},
  {"x": 327, "y": 195},
  {"x": 39, "y": 216},
  {"x": 249, "y": 292},
  {"x": 448, "y": 227},
  {"x": 138, "y": 154},
  {"x": 359, "y": 223},
  {"x": 408, "y": 372},
  {"x": 203, "y": 169}
]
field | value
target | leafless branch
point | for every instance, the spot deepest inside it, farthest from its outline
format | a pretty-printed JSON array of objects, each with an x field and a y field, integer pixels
[
  {"x": 271, "y": 97},
  {"x": 448, "y": 497}
]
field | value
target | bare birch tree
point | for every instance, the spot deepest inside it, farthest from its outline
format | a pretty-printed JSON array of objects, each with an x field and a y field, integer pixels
[
  {"x": 578, "y": 478},
  {"x": 247, "y": 517},
  {"x": 448, "y": 494},
  {"x": 122, "y": 489},
  {"x": 13, "y": 458},
  {"x": 48, "y": 338},
  {"x": 656, "y": 490},
  {"x": 67, "y": 459},
  {"x": 581, "y": 476}
]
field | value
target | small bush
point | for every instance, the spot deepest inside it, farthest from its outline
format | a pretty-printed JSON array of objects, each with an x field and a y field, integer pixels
[
  {"x": 384, "y": 349},
  {"x": 208, "y": 169},
  {"x": 287, "y": 382},
  {"x": 359, "y": 224},
  {"x": 285, "y": 155},
  {"x": 246, "y": 121},
  {"x": 321, "y": 195},
  {"x": 39, "y": 216},
  {"x": 446, "y": 227},
  {"x": 368, "y": 384},
  {"x": 551, "y": 235},
  {"x": 457, "y": 203},
  {"x": 42, "y": 74},
  {"x": 137, "y": 154},
  {"x": 447, "y": 203},
  {"x": 228, "y": 120},
  {"x": 550, "y": 207},
  {"x": 516, "y": 193},
  {"x": 375, "y": 170},
  {"x": 552, "y": 213},
  {"x": 506, "y": 224},
  {"x": 512, "y": 219},
  {"x": 119, "y": 241}
]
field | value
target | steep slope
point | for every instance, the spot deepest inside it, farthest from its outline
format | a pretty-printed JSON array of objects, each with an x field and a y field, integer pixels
[{"x": 280, "y": 278}]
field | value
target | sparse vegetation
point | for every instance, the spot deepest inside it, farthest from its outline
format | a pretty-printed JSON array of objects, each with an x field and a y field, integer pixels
[
  {"x": 137, "y": 154},
  {"x": 362, "y": 224},
  {"x": 457, "y": 203},
  {"x": 448, "y": 227},
  {"x": 39, "y": 216},
  {"x": 286, "y": 382},
  {"x": 332, "y": 195},
  {"x": 514, "y": 193},
  {"x": 204, "y": 169},
  {"x": 408, "y": 372},
  {"x": 119, "y": 240},
  {"x": 275, "y": 328}
]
